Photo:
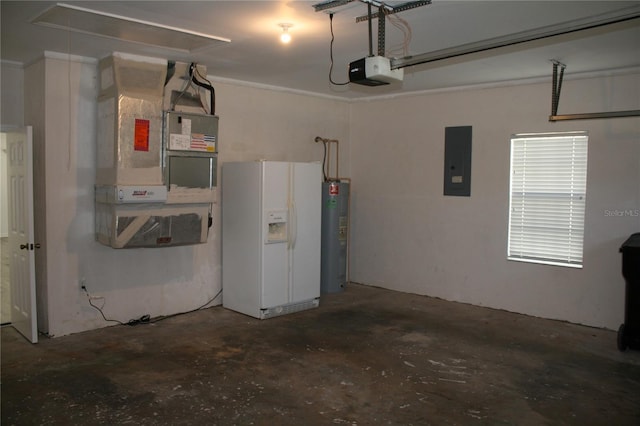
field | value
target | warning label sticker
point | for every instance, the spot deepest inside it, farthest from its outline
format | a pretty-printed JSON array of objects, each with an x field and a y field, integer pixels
[
  {"x": 141, "y": 135},
  {"x": 342, "y": 228},
  {"x": 192, "y": 142}
]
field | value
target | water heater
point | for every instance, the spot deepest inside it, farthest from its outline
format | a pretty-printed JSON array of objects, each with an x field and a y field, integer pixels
[{"x": 335, "y": 219}]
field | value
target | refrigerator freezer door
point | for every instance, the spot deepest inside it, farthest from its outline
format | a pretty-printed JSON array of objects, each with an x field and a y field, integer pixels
[
  {"x": 306, "y": 189},
  {"x": 242, "y": 237},
  {"x": 275, "y": 259}
]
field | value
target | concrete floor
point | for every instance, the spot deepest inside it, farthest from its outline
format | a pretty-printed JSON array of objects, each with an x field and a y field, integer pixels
[{"x": 367, "y": 356}]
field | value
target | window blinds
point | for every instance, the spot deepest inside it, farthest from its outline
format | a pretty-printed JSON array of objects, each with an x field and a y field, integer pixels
[{"x": 548, "y": 196}]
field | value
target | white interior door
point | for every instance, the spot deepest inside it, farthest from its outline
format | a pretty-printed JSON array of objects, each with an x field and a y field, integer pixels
[{"x": 21, "y": 243}]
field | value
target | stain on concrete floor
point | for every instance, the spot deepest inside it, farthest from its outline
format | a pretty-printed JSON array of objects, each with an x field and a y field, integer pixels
[{"x": 367, "y": 356}]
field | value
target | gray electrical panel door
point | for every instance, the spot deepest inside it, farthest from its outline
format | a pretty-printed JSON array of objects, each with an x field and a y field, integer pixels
[
  {"x": 457, "y": 161},
  {"x": 191, "y": 172},
  {"x": 335, "y": 215}
]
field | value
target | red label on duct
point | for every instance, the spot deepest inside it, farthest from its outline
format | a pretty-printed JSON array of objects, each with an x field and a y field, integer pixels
[
  {"x": 334, "y": 189},
  {"x": 141, "y": 136},
  {"x": 163, "y": 240}
]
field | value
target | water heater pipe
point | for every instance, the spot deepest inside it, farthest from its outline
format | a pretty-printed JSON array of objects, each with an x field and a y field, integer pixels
[{"x": 327, "y": 143}]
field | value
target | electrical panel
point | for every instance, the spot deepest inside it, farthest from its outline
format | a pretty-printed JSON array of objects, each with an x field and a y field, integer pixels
[{"x": 457, "y": 161}]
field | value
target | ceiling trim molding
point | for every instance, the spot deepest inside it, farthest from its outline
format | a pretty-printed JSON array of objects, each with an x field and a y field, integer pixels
[
  {"x": 14, "y": 64},
  {"x": 68, "y": 57},
  {"x": 48, "y": 54},
  {"x": 225, "y": 80}
]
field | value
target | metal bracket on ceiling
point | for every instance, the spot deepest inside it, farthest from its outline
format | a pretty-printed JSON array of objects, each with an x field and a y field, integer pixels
[
  {"x": 381, "y": 30},
  {"x": 555, "y": 100},
  {"x": 390, "y": 10},
  {"x": 557, "y": 85},
  {"x": 383, "y": 10},
  {"x": 326, "y": 5},
  {"x": 332, "y": 4}
]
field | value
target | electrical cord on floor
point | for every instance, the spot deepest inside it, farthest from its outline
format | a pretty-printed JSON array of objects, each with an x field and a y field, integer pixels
[
  {"x": 145, "y": 319},
  {"x": 90, "y": 299},
  {"x": 187, "y": 312}
]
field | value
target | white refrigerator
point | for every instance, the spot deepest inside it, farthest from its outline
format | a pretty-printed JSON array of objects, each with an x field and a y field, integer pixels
[{"x": 271, "y": 220}]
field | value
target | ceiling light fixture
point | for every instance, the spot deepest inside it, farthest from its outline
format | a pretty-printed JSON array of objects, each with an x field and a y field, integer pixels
[{"x": 285, "y": 37}]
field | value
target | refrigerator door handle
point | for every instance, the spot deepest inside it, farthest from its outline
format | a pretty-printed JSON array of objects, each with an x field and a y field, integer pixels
[{"x": 293, "y": 226}]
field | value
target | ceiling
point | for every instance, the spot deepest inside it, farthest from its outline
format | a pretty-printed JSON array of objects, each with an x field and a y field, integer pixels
[{"x": 255, "y": 54}]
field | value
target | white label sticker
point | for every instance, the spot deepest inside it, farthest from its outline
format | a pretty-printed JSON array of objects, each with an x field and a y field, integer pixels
[
  {"x": 186, "y": 126},
  {"x": 456, "y": 179},
  {"x": 180, "y": 142}
]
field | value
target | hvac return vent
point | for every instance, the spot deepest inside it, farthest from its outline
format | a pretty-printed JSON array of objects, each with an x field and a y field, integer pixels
[{"x": 88, "y": 21}]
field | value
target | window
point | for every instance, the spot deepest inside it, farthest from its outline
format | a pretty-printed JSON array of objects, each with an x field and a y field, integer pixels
[{"x": 548, "y": 196}]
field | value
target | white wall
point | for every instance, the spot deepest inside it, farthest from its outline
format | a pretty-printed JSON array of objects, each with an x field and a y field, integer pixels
[
  {"x": 4, "y": 190},
  {"x": 11, "y": 117},
  {"x": 262, "y": 123},
  {"x": 254, "y": 123},
  {"x": 407, "y": 236},
  {"x": 12, "y": 100}
]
